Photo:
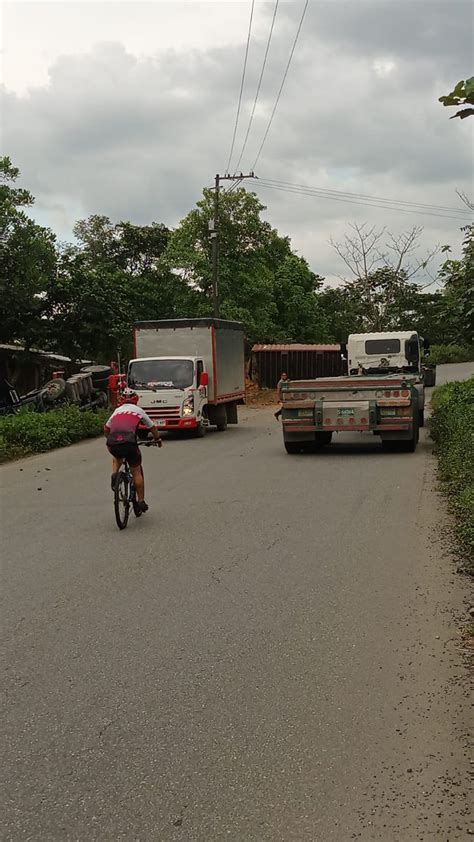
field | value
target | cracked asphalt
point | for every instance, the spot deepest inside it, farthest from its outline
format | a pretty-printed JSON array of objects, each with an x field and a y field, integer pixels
[{"x": 271, "y": 653}]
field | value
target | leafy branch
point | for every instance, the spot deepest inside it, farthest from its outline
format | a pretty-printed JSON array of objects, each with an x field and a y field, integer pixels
[{"x": 463, "y": 94}]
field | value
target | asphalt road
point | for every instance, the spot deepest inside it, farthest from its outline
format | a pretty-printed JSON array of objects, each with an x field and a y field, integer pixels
[{"x": 271, "y": 653}]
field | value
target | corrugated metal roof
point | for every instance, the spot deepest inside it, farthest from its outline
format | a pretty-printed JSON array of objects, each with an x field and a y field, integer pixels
[{"x": 296, "y": 346}]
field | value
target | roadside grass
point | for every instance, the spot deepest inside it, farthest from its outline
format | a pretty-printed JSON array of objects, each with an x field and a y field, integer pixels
[
  {"x": 452, "y": 428},
  {"x": 30, "y": 432},
  {"x": 441, "y": 354}
]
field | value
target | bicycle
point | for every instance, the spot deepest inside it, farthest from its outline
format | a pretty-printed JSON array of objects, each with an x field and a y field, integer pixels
[{"x": 124, "y": 492}]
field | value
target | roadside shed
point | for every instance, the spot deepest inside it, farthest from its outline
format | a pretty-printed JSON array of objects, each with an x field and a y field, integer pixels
[{"x": 300, "y": 361}]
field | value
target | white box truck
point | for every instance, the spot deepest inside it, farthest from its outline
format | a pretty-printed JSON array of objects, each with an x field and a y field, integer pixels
[{"x": 189, "y": 373}]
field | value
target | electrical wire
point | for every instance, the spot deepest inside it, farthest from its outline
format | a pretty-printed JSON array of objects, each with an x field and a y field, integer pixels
[
  {"x": 241, "y": 88},
  {"x": 318, "y": 190},
  {"x": 259, "y": 85},
  {"x": 281, "y": 86},
  {"x": 235, "y": 184},
  {"x": 369, "y": 204}
]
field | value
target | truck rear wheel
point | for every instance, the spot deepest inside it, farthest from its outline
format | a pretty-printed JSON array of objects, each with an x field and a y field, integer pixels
[
  {"x": 410, "y": 445},
  {"x": 219, "y": 417},
  {"x": 293, "y": 447},
  {"x": 322, "y": 439},
  {"x": 404, "y": 445},
  {"x": 232, "y": 416},
  {"x": 421, "y": 418}
]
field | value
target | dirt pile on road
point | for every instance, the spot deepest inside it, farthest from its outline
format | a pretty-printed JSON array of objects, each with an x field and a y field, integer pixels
[{"x": 255, "y": 396}]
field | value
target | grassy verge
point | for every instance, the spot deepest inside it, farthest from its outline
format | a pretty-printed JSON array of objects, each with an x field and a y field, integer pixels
[
  {"x": 452, "y": 426},
  {"x": 36, "y": 432},
  {"x": 440, "y": 354}
]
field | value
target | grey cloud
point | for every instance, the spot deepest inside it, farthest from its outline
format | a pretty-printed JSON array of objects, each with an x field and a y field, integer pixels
[
  {"x": 139, "y": 138},
  {"x": 407, "y": 28}
]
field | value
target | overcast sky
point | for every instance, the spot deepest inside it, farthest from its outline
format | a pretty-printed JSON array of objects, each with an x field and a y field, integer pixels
[{"x": 127, "y": 109}]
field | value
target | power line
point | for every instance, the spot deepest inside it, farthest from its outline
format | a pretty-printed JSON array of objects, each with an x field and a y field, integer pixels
[
  {"x": 241, "y": 87},
  {"x": 367, "y": 204},
  {"x": 259, "y": 84},
  {"x": 318, "y": 190},
  {"x": 336, "y": 198},
  {"x": 281, "y": 86}
]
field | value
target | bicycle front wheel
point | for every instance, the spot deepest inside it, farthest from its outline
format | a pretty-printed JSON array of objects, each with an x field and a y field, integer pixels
[{"x": 121, "y": 500}]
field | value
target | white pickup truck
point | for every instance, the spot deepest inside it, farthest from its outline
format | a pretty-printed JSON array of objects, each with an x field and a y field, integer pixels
[
  {"x": 393, "y": 352},
  {"x": 189, "y": 373}
]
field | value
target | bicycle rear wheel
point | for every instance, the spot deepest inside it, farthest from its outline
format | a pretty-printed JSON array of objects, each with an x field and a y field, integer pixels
[{"x": 121, "y": 500}]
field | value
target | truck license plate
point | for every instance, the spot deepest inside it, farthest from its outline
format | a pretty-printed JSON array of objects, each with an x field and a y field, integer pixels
[
  {"x": 160, "y": 422},
  {"x": 345, "y": 411}
]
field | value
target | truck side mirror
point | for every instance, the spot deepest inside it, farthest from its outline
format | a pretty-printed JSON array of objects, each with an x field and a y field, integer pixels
[
  {"x": 412, "y": 351},
  {"x": 204, "y": 379}
]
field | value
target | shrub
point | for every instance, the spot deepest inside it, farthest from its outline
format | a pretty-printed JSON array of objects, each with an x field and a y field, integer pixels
[
  {"x": 36, "y": 432},
  {"x": 452, "y": 426},
  {"x": 440, "y": 354}
]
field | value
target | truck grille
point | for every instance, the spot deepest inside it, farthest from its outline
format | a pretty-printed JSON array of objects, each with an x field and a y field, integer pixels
[{"x": 170, "y": 413}]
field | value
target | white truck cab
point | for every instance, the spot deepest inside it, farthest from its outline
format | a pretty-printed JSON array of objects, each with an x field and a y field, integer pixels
[
  {"x": 390, "y": 352},
  {"x": 170, "y": 389},
  {"x": 189, "y": 373}
]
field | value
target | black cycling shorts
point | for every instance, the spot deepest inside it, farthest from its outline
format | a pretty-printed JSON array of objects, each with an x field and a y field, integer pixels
[{"x": 128, "y": 451}]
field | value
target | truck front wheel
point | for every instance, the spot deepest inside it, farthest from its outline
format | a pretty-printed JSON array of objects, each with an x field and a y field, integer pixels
[{"x": 200, "y": 430}]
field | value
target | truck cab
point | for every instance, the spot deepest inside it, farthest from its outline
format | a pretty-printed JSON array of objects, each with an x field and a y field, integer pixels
[
  {"x": 172, "y": 390},
  {"x": 391, "y": 352}
]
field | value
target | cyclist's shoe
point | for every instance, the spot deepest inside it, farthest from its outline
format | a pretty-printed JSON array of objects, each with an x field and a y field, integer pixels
[
  {"x": 113, "y": 479},
  {"x": 142, "y": 506}
]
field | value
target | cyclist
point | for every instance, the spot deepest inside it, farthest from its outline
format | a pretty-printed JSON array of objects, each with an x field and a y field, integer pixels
[{"x": 121, "y": 432}]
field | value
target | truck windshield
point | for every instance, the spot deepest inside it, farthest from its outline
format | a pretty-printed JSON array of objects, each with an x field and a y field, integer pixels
[
  {"x": 161, "y": 374},
  {"x": 379, "y": 347}
]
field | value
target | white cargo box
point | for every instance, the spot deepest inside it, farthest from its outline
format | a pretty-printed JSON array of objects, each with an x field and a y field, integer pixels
[{"x": 219, "y": 343}]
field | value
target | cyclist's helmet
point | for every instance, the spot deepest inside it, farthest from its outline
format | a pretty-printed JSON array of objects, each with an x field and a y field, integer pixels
[{"x": 129, "y": 396}]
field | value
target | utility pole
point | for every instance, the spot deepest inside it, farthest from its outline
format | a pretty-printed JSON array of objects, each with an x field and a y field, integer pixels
[{"x": 214, "y": 234}]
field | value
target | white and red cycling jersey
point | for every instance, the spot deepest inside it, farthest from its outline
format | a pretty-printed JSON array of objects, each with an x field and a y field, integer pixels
[{"x": 122, "y": 426}]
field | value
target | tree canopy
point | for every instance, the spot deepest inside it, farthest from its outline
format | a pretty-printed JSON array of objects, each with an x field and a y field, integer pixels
[
  {"x": 82, "y": 298},
  {"x": 27, "y": 263}
]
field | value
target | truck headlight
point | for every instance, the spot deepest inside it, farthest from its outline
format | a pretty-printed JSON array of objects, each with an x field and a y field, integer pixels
[{"x": 188, "y": 405}]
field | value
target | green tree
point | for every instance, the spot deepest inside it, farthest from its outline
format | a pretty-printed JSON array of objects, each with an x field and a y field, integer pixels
[
  {"x": 342, "y": 312},
  {"x": 458, "y": 279},
  {"x": 261, "y": 282},
  {"x": 463, "y": 94},
  {"x": 27, "y": 264},
  {"x": 300, "y": 314},
  {"x": 114, "y": 276}
]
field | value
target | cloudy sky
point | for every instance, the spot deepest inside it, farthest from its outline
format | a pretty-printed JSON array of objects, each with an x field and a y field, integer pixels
[{"x": 128, "y": 109}]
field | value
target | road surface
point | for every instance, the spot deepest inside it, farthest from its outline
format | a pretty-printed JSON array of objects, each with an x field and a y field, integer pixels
[{"x": 271, "y": 653}]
